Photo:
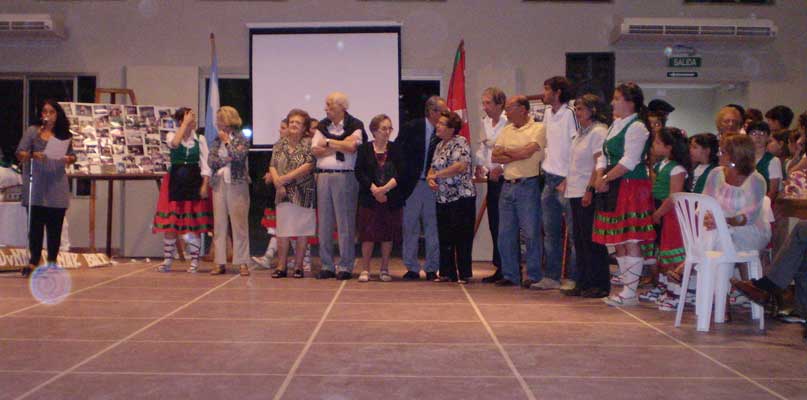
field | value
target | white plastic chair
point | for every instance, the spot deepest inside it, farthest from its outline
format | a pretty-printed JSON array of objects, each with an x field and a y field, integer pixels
[{"x": 715, "y": 256}]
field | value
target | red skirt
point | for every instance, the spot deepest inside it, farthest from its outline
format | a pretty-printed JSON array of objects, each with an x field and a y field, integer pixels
[
  {"x": 190, "y": 216},
  {"x": 269, "y": 219},
  {"x": 631, "y": 221},
  {"x": 671, "y": 249}
]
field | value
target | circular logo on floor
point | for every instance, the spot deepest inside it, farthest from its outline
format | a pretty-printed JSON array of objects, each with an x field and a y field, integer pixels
[{"x": 50, "y": 284}]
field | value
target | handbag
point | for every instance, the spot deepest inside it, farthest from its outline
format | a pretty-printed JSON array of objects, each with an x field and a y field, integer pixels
[{"x": 606, "y": 201}]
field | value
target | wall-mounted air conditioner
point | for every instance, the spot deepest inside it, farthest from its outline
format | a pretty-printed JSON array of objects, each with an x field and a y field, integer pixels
[
  {"x": 692, "y": 30},
  {"x": 31, "y": 26}
]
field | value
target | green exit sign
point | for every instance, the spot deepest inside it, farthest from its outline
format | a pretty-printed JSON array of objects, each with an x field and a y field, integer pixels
[{"x": 685, "y": 62}]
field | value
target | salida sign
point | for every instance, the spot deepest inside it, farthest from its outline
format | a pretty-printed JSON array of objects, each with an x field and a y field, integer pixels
[{"x": 684, "y": 62}]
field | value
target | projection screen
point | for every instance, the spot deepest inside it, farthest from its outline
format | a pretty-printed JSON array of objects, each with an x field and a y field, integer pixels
[{"x": 296, "y": 66}]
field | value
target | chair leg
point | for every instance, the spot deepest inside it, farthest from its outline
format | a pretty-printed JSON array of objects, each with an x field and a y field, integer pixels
[
  {"x": 757, "y": 311},
  {"x": 684, "y": 283},
  {"x": 722, "y": 285},
  {"x": 707, "y": 274}
]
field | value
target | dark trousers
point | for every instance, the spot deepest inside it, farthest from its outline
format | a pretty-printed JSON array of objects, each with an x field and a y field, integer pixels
[
  {"x": 592, "y": 258},
  {"x": 790, "y": 264},
  {"x": 455, "y": 229},
  {"x": 42, "y": 218},
  {"x": 492, "y": 197}
]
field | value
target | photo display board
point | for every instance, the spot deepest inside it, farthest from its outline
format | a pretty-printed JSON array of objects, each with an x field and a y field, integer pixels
[{"x": 120, "y": 139}]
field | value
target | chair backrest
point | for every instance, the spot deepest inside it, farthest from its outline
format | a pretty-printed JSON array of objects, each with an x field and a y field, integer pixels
[{"x": 690, "y": 209}]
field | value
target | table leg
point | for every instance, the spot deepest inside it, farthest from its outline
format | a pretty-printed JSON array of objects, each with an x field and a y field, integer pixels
[
  {"x": 109, "y": 218},
  {"x": 92, "y": 216}
]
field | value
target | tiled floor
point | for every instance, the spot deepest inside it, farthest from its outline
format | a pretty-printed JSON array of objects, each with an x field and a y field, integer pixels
[{"x": 128, "y": 332}]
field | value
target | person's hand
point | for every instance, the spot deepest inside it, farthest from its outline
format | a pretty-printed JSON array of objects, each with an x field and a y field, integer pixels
[
  {"x": 587, "y": 199},
  {"x": 38, "y": 155},
  {"x": 68, "y": 159},
  {"x": 375, "y": 190},
  {"x": 189, "y": 119},
  {"x": 23, "y": 156},
  {"x": 432, "y": 175},
  {"x": 432, "y": 184},
  {"x": 203, "y": 192},
  {"x": 600, "y": 186},
  {"x": 561, "y": 186},
  {"x": 224, "y": 136},
  {"x": 267, "y": 178},
  {"x": 281, "y": 181},
  {"x": 496, "y": 173},
  {"x": 709, "y": 221},
  {"x": 380, "y": 197}
]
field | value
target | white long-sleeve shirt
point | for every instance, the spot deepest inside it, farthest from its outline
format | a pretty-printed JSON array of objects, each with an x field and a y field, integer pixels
[
  {"x": 635, "y": 139},
  {"x": 483, "y": 154},
  {"x": 561, "y": 128}
]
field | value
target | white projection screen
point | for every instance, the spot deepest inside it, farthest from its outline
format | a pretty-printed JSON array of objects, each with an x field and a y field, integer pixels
[{"x": 295, "y": 66}]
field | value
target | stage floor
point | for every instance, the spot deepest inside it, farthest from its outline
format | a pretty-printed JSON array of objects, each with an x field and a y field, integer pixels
[{"x": 128, "y": 332}]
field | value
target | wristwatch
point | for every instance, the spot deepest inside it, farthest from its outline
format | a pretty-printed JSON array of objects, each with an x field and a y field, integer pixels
[{"x": 327, "y": 142}]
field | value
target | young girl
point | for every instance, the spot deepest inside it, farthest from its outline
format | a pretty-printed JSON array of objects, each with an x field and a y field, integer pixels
[
  {"x": 768, "y": 165},
  {"x": 670, "y": 146},
  {"x": 184, "y": 205},
  {"x": 703, "y": 149}
]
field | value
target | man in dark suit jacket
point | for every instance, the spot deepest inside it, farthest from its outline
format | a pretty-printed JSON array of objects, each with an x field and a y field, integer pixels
[{"x": 417, "y": 142}]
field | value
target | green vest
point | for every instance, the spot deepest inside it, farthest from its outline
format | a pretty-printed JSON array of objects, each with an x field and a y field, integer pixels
[
  {"x": 697, "y": 186},
  {"x": 614, "y": 149},
  {"x": 183, "y": 155},
  {"x": 661, "y": 187},
  {"x": 763, "y": 167}
]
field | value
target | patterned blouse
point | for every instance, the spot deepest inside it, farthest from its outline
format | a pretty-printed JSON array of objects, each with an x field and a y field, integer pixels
[
  {"x": 445, "y": 155},
  {"x": 287, "y": 157}
]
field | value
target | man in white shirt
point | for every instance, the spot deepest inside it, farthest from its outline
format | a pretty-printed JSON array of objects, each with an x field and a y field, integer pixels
[
  {"x": 561, "y": 127},
  {"x": 493, "y": 100},
  {"x": 334, "y": 146}
]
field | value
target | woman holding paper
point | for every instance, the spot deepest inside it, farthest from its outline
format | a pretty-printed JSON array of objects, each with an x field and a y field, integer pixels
[{"x": 47, "y": 148}]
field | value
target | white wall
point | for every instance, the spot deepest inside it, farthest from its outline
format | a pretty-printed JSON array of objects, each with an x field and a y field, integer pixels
[{"x": 509, "y": 43}]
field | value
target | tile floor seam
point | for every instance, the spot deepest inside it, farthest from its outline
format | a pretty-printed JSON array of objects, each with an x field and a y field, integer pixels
[
  {"x": 708, "y": 357},
  {"x": 523, "y": 383},
  {"x": 77, "y": 291},
  {"x": 119, "y": 342},
  {"x": 287, "y": 381}
]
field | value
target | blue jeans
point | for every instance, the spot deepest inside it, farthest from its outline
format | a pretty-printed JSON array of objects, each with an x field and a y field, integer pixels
[
  {"x": 420, "y": 208},
  {"x": 554, "y": 206},
  {"x": 520, "y": 210}
]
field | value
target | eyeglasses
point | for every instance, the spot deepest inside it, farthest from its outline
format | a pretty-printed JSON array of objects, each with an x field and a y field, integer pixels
[{"x": 757, "y": 133}]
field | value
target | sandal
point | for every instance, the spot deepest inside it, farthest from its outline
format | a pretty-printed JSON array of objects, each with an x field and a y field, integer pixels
[
  {"x": 279, "y": 273},
  {"x": 243, "y": 270},
  {"x": 220, "y": 270},
  {"x": 298, "y": 274}
]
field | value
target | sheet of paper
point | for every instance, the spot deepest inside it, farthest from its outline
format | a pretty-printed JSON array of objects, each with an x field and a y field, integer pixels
[{"x": 56, "y": 149}]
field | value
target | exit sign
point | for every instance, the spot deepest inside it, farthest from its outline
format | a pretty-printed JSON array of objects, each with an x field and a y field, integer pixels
[{"x": 684, "y": 62}]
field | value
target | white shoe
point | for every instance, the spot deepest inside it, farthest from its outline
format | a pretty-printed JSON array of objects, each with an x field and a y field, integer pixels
[
  {"x": 263, "y": 262},
  {"x": 193, "y": 270},
  {"x": 385, "y": 276},
  {"x": 545, "y": 284},
  {"x": 364, "y": 276},
  {"x": 619, "y": 301},
  {"x": 567, "y": 284}
]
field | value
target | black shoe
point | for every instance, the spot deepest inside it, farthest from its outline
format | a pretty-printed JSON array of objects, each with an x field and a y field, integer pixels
[
  {"x": 25, "y": 272},
  {"x": 431, "y": 276},
  {"x": 298, "y": 274},
  {"x": 411, "y": 276},
  {"x": 279, "y": 273},
  {"x": 526, "y": 283},
  {"x": 497, "y": 276},
  {"x": 576, "y": 292},
  {"x": 505, "y": 283},
  {"x": 594, "y": 293},
  {"x": 344, "y": 276},
  {"x": 325, "y": 274}
]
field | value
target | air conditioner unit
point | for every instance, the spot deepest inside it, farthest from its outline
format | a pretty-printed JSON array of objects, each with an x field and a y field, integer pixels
[
  {"x": 692, "y": 30},
  {"x": 31, "y": 26}
]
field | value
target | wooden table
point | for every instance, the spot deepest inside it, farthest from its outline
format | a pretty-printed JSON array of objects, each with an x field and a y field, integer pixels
[{"x": 110, "y": 178}]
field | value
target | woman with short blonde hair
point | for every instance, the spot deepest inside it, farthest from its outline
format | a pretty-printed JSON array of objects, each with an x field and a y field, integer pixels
[{"x": 230, "y": 181}]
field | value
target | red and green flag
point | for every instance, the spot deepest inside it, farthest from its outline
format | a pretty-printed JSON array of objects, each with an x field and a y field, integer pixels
[{"x": 456, "y": 91}]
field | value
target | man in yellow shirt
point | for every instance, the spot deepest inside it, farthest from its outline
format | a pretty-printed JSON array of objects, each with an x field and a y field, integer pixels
[{"x": 520, "y": 147}]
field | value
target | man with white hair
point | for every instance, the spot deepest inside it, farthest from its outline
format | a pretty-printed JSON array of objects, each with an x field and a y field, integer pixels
[{"x": 334, "y": 146}]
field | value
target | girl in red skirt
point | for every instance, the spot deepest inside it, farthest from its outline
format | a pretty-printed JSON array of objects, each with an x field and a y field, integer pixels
[
  {"x": 184, "y": 206},
  {"x": 671, "y": 147},
  {"x": 624, "y": 202}
]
